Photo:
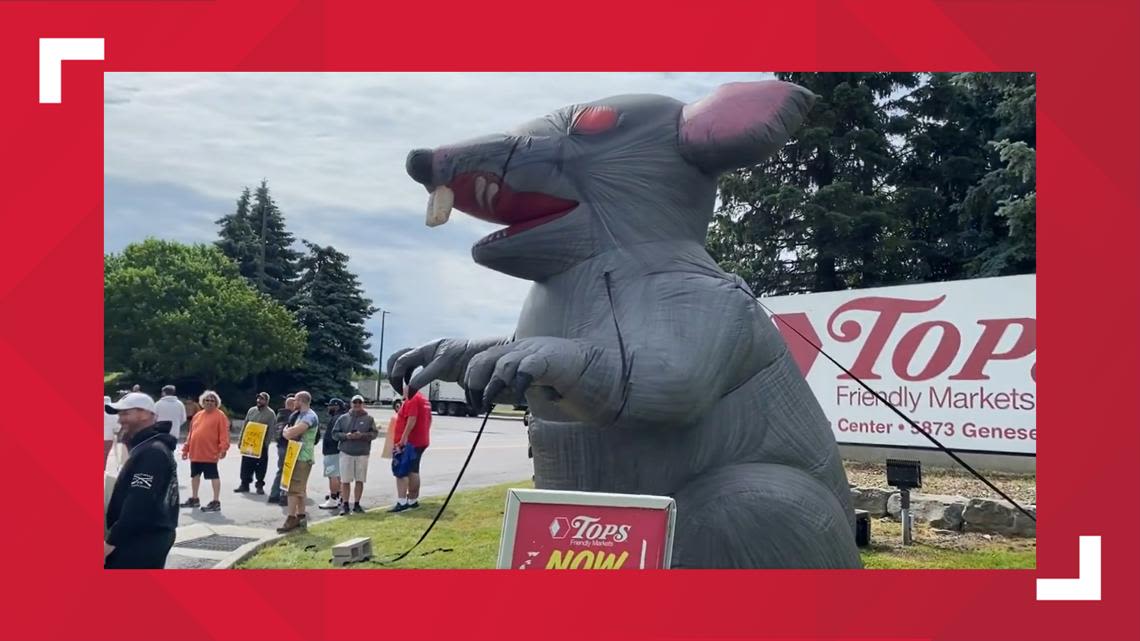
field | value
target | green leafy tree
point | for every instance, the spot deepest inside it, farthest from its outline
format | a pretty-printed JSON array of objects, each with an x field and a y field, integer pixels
[
  {"x": 175, "y": 312},
  {"x": 331, "y": 306}
]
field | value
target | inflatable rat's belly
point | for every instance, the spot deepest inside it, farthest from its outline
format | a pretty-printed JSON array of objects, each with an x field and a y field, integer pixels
[{"x": 765, "y": 420}]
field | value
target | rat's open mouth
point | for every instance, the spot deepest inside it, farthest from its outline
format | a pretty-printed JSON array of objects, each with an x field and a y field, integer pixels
[{"x": 486, "y": 196}]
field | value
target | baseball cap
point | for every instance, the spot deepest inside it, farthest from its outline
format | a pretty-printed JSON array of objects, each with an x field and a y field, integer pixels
[
  {"x": 336, "y": 402},
  {"x": 263, "y": 395},
  {"x": 358, "y": 397},
  {"x": 132, "y": 401}
]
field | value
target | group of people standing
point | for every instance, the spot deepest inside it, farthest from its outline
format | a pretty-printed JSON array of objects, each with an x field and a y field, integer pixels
[{"x": 142, "y": 513}]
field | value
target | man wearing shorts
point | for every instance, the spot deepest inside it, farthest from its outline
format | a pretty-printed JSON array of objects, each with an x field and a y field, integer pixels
[
  {"x": 301, "y": 430},
  {"x": 354, "y": 432},
  {"x": 413, "y": 425},
  {"x": 208, "y": 442},
  {"x": 330, "y": 455}
]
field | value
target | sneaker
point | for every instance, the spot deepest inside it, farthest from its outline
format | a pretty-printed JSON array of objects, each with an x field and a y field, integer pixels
[
  {"x": 291, "y": 523},
  {"x": 413, "y": 505},
  {"x": 242, "y": 489},
  {"x": 329, "y": 504},
  {"x": 303, "y": 521},
  {"x": 355, "y": 508},
  {"x": 190, "y": 503},
  {"x": 399, "y": 507},
  {"x": 261, "y": 490},
  {"x": 344, "y": 509},
  {"x": 212, "y": 506}
]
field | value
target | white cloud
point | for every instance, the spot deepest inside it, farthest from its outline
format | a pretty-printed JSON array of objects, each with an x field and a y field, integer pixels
[{"x": 333, "y": 147}]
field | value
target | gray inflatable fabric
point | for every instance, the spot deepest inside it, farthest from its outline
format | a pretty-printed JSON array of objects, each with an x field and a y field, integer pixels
[{"x": 647, "y": 368}]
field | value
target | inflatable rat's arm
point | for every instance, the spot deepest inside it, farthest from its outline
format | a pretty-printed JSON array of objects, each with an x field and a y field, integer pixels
[
  {"x": 445, "y": 359},
  {"x": 677, "y": 362}
]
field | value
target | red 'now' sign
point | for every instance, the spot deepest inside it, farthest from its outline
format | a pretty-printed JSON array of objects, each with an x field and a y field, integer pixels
[{"x": 555, "y": 530}]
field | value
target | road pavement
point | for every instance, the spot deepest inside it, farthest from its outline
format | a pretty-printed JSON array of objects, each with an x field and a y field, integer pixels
[{"x": 500, "y": 458}]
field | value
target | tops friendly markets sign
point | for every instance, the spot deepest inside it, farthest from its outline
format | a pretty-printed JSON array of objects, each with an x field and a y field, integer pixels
[{"x": 959, "y": 358}]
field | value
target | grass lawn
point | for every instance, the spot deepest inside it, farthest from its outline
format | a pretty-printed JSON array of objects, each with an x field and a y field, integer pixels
[
  {"x": 467, "y": 537},
  {"x": 506, "y": 410}
]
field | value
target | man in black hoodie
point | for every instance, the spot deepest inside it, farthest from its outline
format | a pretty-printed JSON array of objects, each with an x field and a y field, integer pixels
[{"x": 142, "y": 515}]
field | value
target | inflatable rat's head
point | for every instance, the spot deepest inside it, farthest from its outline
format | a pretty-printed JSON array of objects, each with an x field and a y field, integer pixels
[{"x": 612, "y": 173}]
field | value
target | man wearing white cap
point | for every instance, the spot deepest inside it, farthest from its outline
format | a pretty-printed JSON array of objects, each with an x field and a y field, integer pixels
[
  {"x": 142, "y": 515},
  {"x": 354, "y": 433}
]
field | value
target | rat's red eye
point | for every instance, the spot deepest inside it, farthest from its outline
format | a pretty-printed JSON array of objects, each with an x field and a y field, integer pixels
[{"x": 594, "y": 120}]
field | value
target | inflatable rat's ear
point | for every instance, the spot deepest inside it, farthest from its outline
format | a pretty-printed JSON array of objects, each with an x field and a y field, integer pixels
[{"x": 742, "y": 123}]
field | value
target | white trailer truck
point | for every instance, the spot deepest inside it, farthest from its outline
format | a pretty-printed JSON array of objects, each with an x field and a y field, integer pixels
[{"x": 449, "y": 399}]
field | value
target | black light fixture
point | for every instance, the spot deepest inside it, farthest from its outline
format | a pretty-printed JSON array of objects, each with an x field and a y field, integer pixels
[{"x": 906, "y": 476}]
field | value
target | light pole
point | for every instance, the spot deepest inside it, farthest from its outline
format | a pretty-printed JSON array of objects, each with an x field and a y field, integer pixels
[{"x": 380, "y": 359}]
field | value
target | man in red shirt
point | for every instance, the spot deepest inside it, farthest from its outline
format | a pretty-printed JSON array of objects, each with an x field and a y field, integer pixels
[{"x": 413, "y": 427}]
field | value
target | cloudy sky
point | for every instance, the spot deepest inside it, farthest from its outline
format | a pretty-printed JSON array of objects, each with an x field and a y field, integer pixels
[{"x": 180, "y": 147}]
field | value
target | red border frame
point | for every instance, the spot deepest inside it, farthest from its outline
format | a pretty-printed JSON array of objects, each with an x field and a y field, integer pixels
[{"x": 1087, "y": 56}]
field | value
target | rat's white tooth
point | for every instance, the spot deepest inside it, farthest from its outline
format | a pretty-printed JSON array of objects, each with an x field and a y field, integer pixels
[
  {"x": 492, "y": 191},
  {"x": 480, "y": 187},
  {"x": 430, "y": 209},
  {"x": 442, "y": 200}
]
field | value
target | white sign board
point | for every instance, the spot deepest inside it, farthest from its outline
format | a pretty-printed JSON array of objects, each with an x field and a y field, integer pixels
[{"x": 959, "y": 358}]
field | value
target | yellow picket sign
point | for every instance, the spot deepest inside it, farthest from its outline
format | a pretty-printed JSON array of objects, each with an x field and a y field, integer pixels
[
  {"x": 292, "y": 451},
  {"x": 252, "y": 439}
]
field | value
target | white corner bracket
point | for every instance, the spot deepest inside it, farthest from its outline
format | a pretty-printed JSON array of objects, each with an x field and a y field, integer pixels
[
  {"x": 1086, "y": 587},
  {"x": 53, "y": 51}
]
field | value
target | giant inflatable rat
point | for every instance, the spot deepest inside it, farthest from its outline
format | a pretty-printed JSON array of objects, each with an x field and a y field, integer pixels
[{"x": 647, "y": 368}]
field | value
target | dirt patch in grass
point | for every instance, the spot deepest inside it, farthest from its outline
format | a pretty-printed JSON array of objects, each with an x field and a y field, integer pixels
[{"x": 1022, "y": 487}]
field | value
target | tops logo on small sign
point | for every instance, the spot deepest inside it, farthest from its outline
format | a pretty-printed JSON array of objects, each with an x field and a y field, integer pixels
[{"x": 588, "y": 528}]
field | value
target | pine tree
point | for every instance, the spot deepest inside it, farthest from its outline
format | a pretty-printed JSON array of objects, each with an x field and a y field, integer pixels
[
  {"x": 255, "y": 238},
  {"x": 893, "y": 178},
  {"x": 236, "y": 238},
  {"x": 1000, "y": 211},
  {"x": 815, "y": 216},
  {"x": 276, "y": 260},
  {"x": 331, "y": 306}
]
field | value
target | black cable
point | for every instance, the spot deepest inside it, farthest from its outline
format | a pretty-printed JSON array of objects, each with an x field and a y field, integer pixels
[
  {"x": 449, "y": 495},
  {"x": 613, "y": 311},
  {"x": 896, "y": 410},
  {"x": 625, "y": 370}
]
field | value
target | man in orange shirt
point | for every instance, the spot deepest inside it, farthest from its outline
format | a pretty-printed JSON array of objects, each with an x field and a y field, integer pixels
[
  {"x": 413, "y": 427},
  {"x": 207, "y": 443}
]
